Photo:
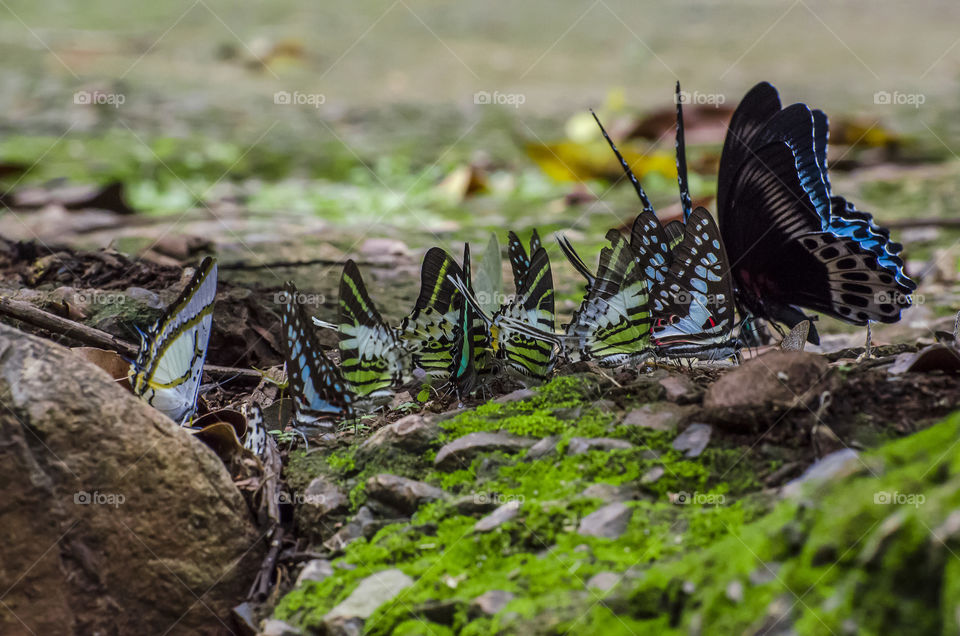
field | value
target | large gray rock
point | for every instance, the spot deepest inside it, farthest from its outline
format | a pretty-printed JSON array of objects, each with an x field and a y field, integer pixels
[
  {"x": 498, "y": 517},
  {"x": 411, "y": 433},
  {"x": 694, "y": 440},
  {"x": 581, "y": 445},
  {"x": 404, "y": 494},
  {"x": 372, "y": 592},
  {"x": 460, "y": 452},
  {"x": 608, "y": 522},
  {"x": 115, "y": 520}
]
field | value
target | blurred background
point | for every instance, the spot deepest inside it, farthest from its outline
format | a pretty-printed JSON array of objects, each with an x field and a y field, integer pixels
[{"x": 283, "y": 131}]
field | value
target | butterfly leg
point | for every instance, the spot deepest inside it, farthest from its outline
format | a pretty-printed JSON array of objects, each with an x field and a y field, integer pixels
[{"x": 867, "y": 347}]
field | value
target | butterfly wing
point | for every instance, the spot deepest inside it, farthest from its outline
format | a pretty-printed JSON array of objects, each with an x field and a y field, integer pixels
[
  {"x": 747, "y": 123},
  {"x": 429, "y": 330},
  {"x": 613, "y": 322},
  {"x": 781, "y": 257},
  {"x": 685, "y": 202},
  {"x": 519, "y": 260},
  {"x": 694, "y": 307},
  {"x": 169, "y": 364},
  {"x": 316, "y": 385},
  {"x": 529, "y": 354},
  {"x": 373, "y": 358},
  {"x": 652, "y": 246},
  {"x": 468, "y": 339}
]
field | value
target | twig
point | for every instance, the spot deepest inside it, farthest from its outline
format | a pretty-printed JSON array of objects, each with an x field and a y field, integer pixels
[
  {"x": 246, "y": 265},
  {"x": 25, "y": 312},
  {"x": 260, "y": 589}
]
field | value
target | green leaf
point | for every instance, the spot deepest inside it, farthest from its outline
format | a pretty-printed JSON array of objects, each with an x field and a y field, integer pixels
[{"x": 424, "y": 393}]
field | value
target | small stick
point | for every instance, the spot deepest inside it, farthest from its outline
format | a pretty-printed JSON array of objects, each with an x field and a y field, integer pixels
[{"x": 25, "y": 312}]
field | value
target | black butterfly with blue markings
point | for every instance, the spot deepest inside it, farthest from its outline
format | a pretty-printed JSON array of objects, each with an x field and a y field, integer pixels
[
  {"x": 169, "y": 363},
  {"x": 318, "y": 389},
  {"x": 792, "y": 243}
]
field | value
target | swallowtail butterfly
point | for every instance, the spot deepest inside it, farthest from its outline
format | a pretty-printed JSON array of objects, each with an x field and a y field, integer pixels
[
  {"x": 169, "y": 364},
  {"x": 613, "y": 322},
  {"x": 694, "y": 307},
  {"x": 522, "y": 331},
  {"x": 319, "y": 390},
  {"x": 792, "y": 243},
  {"x": 373, "y": 358}
]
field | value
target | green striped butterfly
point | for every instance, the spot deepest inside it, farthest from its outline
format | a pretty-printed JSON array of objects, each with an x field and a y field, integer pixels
[
  {"x": 373, "y": 358},
  {"x": 519, "y": 260},
  {"x": 429, "y": 329},
  {"x": 613, "y": 322},
  {"x": 169, "y": 364},
  {"x": 522, "y": 331},
  {"x": 471, "y": 340}
]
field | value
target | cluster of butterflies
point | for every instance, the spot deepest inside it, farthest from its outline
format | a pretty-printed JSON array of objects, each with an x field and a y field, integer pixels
[{"x": 782, "y": 242}]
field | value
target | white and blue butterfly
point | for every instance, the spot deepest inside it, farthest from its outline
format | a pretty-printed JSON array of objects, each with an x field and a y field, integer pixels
[
  {"x": 169, "y": 364},
  {"x": 319, "y": 390}
]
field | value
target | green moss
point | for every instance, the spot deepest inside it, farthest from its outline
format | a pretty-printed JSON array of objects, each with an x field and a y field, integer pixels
[{"x": 852, "y": 562}]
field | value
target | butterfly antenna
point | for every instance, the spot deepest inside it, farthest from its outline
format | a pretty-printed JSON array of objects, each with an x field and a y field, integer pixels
[
  {"x": 647, "y": 206},
  {"x": 681, "y": 149}
]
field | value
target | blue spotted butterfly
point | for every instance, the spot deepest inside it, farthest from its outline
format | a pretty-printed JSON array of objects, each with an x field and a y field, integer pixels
[{"x": 319, "y": 391}]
